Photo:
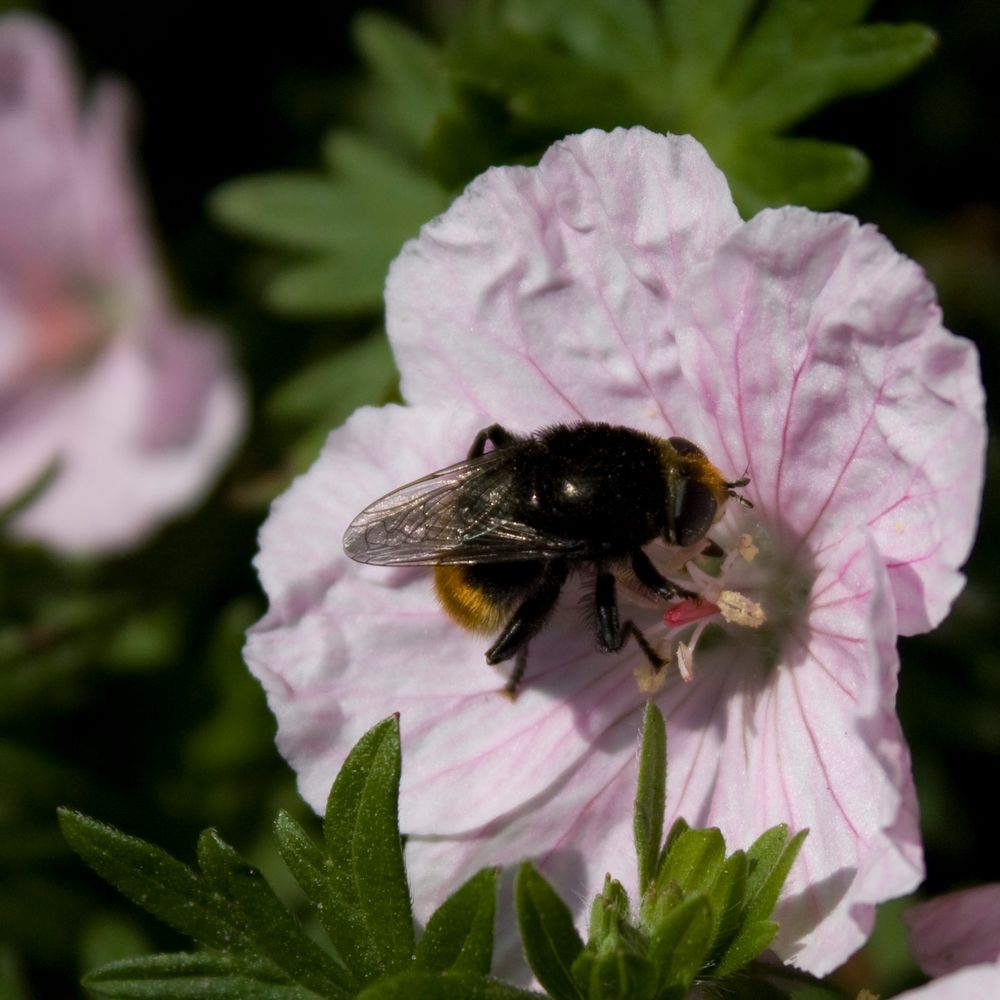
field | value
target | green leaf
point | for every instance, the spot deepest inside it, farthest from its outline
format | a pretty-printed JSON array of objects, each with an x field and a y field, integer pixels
[
  {"x": 459, "y": 935},
  {"x": 448, "y": 986},
  {"x": 752, "y": 940},
  {"x": 299, "y": 211},
  {"x": 617, "y": 975},
  {"x": 734, "y": 73},
  {"x": 411, "y": 89},
  {"x": 769, "y": 860},
  {"x": 699, "y": 37},
  {"x": 347, "y": 283},
  {"x": 680, "y": 943},
  {"x": 766, "y": 171},
  {"x": 304, "y": 859},
  {"x": 800, "y": 57},
  {"x": 367, "y": 876},
  {"x": 330, "y": 389},
  {"x": 651, "y": 793},
  {"x": 193, "y": 977},
  {"x": 678, "y": 826},
  {"x": 355, "y": 221},
  {"x": 550, "y": 941},
  {"x": 382, "y": 179},
  {"x": 694, "y": 861},
  {"x": 727, "y": 898},
  {"x": 273, "y": 930},
  {"x": 154, "y": 880}
]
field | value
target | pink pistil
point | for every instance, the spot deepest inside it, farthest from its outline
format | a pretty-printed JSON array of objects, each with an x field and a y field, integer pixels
[{"x": 687, "y": 611}]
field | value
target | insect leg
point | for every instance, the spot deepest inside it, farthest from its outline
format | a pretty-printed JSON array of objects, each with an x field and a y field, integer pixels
[
  {"x": 498, "y": 436},
  {"x": 649, "y": 576},
  {"x": 514, "y": 681},
  {"x": 611, "y": 634},
  {"x": 531, "y": 614}
]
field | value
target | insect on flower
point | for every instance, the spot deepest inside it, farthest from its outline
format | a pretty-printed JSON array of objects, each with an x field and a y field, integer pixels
[{"x": 505, "y": 528}]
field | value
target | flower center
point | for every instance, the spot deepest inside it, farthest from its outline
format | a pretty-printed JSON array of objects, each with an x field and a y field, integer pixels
[{"x": 753, "y": 592}]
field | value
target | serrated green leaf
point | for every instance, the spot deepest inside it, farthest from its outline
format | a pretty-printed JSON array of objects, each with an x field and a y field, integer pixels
[
  {"x": 361, "y": 831},
  {"x": 801, "y": 57},
  {"x": 411, "y": 87},
  {"x": 385, "y": 179},
  {"x": 459, "y": 934},
  {"x": 446, "y": 986},
  {"x": 154, "y": 880},
  {"x": 732, "y": 73},
  {"x": 357, "y": 222},
  {"x": 680, "y": 943},
  {"x": 699, "y": 37},
  {"x": 273, "y": 930},
  {"x": 765, "y": 172},
  {"x": 346, "y": 284},
  {"x": 330, "y": 389},
  {"x": 651, "y": 793},
  {"x": 550, "y": 941},
  {"x": 299, "y": 211},
  {"x": 193, "y": 977}
]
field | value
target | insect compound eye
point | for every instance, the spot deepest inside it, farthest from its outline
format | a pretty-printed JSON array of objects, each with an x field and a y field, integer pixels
[
  {"x": 694, "y": 511},
  {"x": 685, "y": 447}
]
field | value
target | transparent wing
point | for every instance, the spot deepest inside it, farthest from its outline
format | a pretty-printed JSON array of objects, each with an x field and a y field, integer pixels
[{"x": 455, "y": 515}]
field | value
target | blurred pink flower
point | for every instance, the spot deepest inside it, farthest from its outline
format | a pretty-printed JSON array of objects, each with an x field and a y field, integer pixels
[
  {"x": 957, "y": 930},
  {"x": 132, "y": 407},
  {"x": 976, "y": 982},
  {"x": 616, "y": 282}
]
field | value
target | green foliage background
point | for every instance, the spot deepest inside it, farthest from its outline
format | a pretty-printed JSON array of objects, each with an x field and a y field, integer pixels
[{"x": 122, "y": 689}]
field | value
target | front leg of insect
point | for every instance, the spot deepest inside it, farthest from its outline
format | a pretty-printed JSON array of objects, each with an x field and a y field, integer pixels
[
  {"x": 497, "y": 435},
  {"x": 649, "y": 576},
  {"x": 611, "y": 634}
]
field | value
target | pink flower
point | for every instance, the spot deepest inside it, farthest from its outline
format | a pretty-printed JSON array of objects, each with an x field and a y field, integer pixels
[
  {"x": 976, "y": 982},
  {"x": 616, "y": 282},
  {"x": 957, "y": 938},
  {"x": 950, "y": 932},
  {"x": 132, "y": 407}
]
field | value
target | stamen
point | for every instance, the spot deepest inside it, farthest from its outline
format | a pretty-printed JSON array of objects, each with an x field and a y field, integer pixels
[
  {"x": 738, "y": 609},
  {"x": 685, "y": 662}
]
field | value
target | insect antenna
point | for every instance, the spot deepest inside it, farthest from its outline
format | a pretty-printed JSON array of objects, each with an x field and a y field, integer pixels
[{"x": 735, "y": 485}]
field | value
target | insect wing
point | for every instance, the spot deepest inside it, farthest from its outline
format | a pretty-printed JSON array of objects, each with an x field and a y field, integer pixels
[{"x": 454, "y": 515}]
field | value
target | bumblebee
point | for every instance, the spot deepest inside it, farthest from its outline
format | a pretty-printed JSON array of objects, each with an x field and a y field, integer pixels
[{"x": 505, "y": 528}]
